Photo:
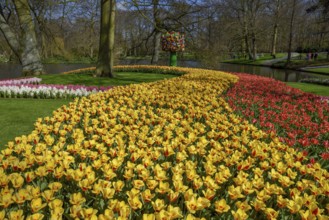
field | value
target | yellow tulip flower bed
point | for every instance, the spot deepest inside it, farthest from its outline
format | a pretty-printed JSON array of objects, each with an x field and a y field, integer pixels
[{"x": 172, "y": 149}]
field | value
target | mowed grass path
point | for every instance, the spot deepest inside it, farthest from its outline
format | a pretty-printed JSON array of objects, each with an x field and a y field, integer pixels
[
  {"x": 311, "y": 88},
  {"x": 17, "y": 116},
  {"x": 121, "y": 78}
]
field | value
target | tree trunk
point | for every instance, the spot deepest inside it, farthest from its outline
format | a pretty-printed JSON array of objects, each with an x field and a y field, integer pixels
[
  {"x": 254, "y": 47},
  {"x": 246, "y": 32},
  {"x": 157, "y": 37},
  {"x": 275, "y": 27},
  {"x": 10, "y": 37},
  {"x": 106, "y": 43},
  {"x": 274, "y": 39},
  {"x": 30, "y": 56},
  {"x": 291, "y": 31},
  {"x": 156, "y": 43}
]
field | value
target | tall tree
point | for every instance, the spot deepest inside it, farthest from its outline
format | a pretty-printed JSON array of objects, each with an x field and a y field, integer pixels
[
  {"x": 277, "y": 7},
  {"x": 291, "y": 29},
  {"x": 106, "y": 43},
  {"x": 24, "y": 47}
]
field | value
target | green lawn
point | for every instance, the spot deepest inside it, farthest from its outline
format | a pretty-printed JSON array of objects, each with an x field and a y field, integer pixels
[
  {"x": 311, "y": 88},
  {"x": 121, "y": 78},
  {"x": 320, "y": 70},
  {"x": 259, "y": 61},
  {"x": 17, "y": 116}
]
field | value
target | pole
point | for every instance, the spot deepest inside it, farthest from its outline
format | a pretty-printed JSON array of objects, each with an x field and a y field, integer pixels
[{"x": 173, "y": 58}]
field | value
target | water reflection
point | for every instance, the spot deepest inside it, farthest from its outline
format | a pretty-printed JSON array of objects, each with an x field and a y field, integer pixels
[
  {"x": 278, "y": 74},
  {"x": 9, "y": 70}
]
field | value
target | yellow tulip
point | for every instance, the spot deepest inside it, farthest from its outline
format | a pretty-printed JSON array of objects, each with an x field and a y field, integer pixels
[
  {"x": 138, "y": 184},
  {"x": 124, "y": 211},
  {"x": 56, "y": 203},
  {"x": 77, "y": 199},
  {"x": 118, "y": 185},
  {"x": 48, "y": 195},
  {"x": 88, "y": 213},
  {"x": 160, "y": 174},
  {"x": 243, "y": 205},
  {"x": 50, "y": 165},
  {"x": 221, "y": 206},
  {"x": 147, "y": 195},
  {"x": 239, "y": 214},
  {"x": 306, "y": 215},
  {"x": 17, "y": 180},
  {"x": 173, "y": 196},
  {"x": 97, "y": 188},
  {"x": 97, "y": 164},
  {"x": 191, "y": 217},
  {"x": 162, "y": 215},
  {"x": 55, "y": 186},
  {"x": 263, "y": 196},
  {"x": 197, "y": 183},
  {"x": 16, "y": 215},
  {"x": 108, "y": 192},
  {"x": 174, "y": 212},
  {"x": 166, "y": 165},
  {"x": 29, "y": 176},
  {"x": 128, "y": 174},
  {"x": 36, "y": 216},
  {"x": 4, "y": 180},
  {"x": 271, "y": 213},
  {"x": 314, "y": 209},
  {"x": 294, "y": 206},
  {"x": 2, "y": 214},
  {"x": 41, "y": 171},
  {"x": 36, "y": 205},
  {"x": 6, "y": 200},
  {"x": 158, "y": 205},
  {"x": 235, "y": 192},
  {"x": 135, "y": 203},
  {"x": 151, "y": 184},
  {"x": 21, "y": 196},
  {"x": 163, "y": 187},
  {"x": 192, "y": 205},
  {"x": 285, "y": 181},
  {"x": 203, "y": 203},
  {"x": 282, "y": 202},
  {"x": 58, "y": 172},
  {"x": 209, "y": 194},
  {"x": 108, "y": 215},
  {"x": 116, "y": 163},
  {"x": 291, "y": 174},
  {"x": 148, "y": 217},
  {"x": 258, "y": 205},
  {"x": 247, "y": 187},
  {"x": 264, "y": 165}
]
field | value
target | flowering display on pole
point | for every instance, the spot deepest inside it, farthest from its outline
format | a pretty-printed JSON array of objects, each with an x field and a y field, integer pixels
[
  {"x": 173, "y": 42},
  {"x": 172, "y": 149}
]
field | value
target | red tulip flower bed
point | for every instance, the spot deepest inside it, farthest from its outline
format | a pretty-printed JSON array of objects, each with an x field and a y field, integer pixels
[{"x": 300, "y": 119}]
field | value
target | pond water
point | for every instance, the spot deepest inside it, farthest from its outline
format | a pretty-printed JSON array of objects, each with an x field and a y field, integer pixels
[{"x": 9, "y": 70}]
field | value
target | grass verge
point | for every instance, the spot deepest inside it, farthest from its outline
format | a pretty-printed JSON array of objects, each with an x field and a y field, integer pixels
[
  {"x": 17, "y": 116},
  {"x": 121, "y": 78},
  {"x": 320, "y": 70},
  {"x": 311, "y": 88},
  {"x": 259, "y": 61}
]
